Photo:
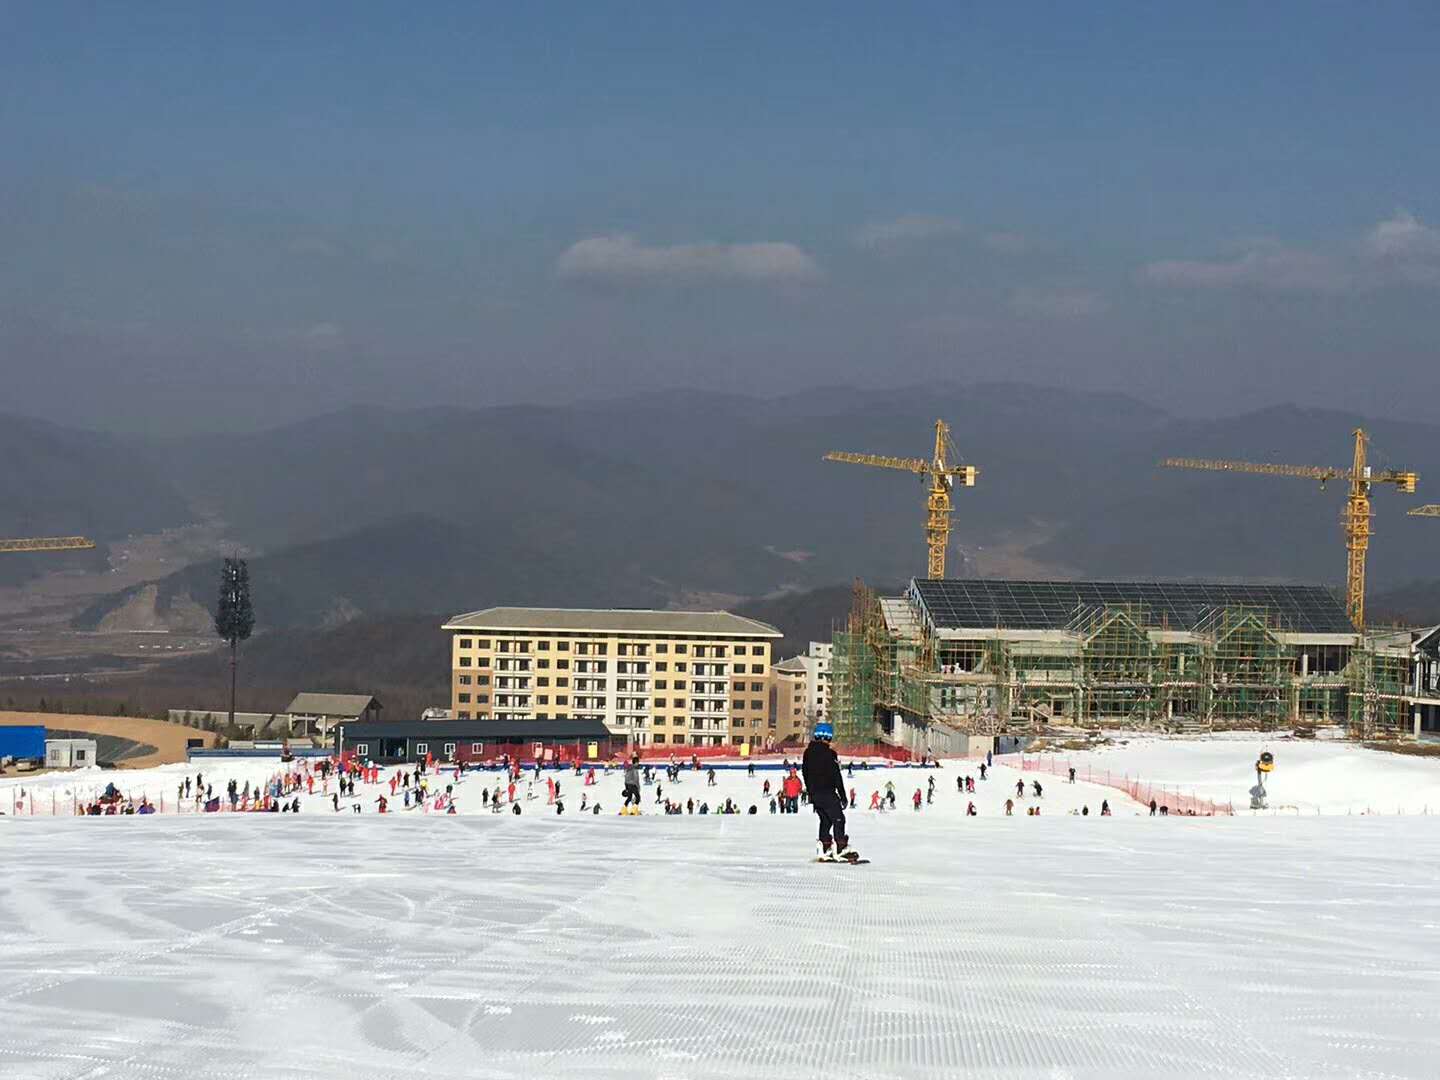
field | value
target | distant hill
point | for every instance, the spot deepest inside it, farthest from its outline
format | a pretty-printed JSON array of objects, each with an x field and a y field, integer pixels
[
  {"x": 686, "y": 498},
  {"x": 396, "y": 567},
  {"x": 1415, "y": 604},
  {"x": 806, "y": 616},
  {"x": 60, "y": 481}
]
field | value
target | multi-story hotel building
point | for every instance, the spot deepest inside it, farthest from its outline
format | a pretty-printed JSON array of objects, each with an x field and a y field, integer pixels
[{"x": 656, "y": 678}]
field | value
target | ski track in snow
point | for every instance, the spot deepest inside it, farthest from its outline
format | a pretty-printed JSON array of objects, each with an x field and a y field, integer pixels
[{"x": 344, "y": 946}]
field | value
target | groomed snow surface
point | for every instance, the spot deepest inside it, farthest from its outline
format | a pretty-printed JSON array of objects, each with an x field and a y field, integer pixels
[{"x": 423, "y": 945}]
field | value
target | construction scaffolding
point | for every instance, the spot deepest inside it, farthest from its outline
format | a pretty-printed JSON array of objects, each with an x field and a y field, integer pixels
[
  {"x": 1378, "y": 681},
  {"x": 1112, "y": 665},
  {"x": 1246, "y": 671}
]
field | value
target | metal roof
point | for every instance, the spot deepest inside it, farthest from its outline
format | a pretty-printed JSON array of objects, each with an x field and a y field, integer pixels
[
  {"x": 613, "y": 620},
  {"x": 795, "y": 665},
  {"x": 478, "y": 730},
  {"x": 982, "y": 603},
  {"x": 330, "y": 704}
]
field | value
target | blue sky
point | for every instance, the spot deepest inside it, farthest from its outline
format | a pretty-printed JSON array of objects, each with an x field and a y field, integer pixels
[{"x": 1211, "y": 206}]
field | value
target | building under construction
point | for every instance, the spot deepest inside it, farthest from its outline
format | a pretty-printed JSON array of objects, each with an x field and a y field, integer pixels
[{"x": 954, "y": 659}]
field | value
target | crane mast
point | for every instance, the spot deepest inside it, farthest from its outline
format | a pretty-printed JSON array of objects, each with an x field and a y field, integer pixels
[{"x": 941, "y": 473}]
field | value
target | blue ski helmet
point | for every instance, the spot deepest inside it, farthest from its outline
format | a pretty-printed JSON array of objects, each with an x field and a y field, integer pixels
[{"x": 823, "y": 730}]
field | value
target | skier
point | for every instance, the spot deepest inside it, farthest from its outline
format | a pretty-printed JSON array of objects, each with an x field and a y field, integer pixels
[
  {"x": 631, "y": 791},
  {"x": 917, "y": 798},
  {"x": 710, "y": 776},
  {"x": 982, "y": 771},
  {"x": 1039, "y": 791},
  {"x": 960, "y": 783},
  {"x": 852, "y": 799},
  {"x": 1072, "y": 774},
  {"x": 826, "y": 787},
  {"x": 1154, "y": 806},
  {"x": 1104, "y": 807},
  {"x": 1009, "y": 807},
  {"x": 1019, "y": 789}
]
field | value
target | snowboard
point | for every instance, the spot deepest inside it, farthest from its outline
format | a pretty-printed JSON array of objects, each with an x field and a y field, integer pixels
[{"x": 844, "y": 862}]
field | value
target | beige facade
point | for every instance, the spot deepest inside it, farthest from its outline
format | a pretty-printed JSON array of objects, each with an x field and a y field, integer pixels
[
  {"x": 789, "y": 712},
  {"x": 656, "y": 678}
]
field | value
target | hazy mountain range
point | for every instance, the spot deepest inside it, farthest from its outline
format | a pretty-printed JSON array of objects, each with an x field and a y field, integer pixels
[{"x": 701, "y": 498}]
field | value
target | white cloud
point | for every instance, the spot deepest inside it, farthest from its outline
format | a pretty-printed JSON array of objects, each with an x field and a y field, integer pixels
[
  {"x": 1008, "y": 243},
  {"x": 905, "y": 231},
  {"x": 620, "y": 257},
  {"x": 325, "y": 335},
  {"x": 1282, "y": 269},
  {"x": 1403, "y": 236},
  {"x": 1058, "y": 303},
  {"x": 1399, "y": 250}
]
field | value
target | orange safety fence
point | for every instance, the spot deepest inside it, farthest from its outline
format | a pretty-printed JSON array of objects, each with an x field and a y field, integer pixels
[{"x": 1142, "y": 791}]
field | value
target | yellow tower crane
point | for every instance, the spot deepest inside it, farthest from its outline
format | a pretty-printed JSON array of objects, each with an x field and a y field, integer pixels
[
  {"x": 1357, "y": 506},
  {"x": 941, "y": 475},
  {"x": 48, "y": 543},
  {"x": 1430, "y": 510}
]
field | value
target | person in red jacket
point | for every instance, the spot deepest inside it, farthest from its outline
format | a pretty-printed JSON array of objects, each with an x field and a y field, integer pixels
[{"x": 791, "y": 790}]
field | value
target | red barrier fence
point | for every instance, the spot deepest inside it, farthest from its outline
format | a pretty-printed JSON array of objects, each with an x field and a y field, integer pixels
[{"x": 1141, "y": 791}]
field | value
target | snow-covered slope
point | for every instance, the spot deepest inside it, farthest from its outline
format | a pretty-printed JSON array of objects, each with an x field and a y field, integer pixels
[
  {"x": 1329, "y": 777},
  {"x": 1052, "y": 948}
]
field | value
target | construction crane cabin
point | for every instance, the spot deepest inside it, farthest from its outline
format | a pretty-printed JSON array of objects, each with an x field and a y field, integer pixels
[
  {"x": 1357, "y": 515},
  {"x": 941, "y": 473}
]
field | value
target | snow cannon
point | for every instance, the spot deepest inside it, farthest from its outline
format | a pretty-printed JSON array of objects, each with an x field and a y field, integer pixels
[{"x": 1264, "y": 766}]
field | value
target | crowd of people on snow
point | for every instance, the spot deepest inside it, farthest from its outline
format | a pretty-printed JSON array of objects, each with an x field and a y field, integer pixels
[{"x": 428, "y": 786}]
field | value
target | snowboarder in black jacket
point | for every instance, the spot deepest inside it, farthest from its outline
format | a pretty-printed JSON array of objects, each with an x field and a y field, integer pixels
[{"x": 826, "y": 787}]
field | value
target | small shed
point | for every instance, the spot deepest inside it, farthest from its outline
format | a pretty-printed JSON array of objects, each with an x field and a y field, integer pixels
[
  {"x": 70, "y": 753},
  {"x": 318, "y": 714}
]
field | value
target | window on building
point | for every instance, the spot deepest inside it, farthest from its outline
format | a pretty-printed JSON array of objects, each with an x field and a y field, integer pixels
[
  {"x": 760, "y": 705},
  {"x": 757, "y": 669},
  {"x": 562, "y": 646},
  {"x": 582, "y": 648},
  {"x": 464, "y": 661},
  {"x": 680, "y": 667},
  {"x": 562, "y": 699},
  {"x": 465, "y": 643},
  {"x": 660, "y": 738},
  {"x": 661, "y": 684},
  {"x": 542, "y": 663},
  {"x": 463, "y": 697},
  {"x": 662, "y": 666},
  {"x": 680, "y": 647},
  {"x": 482, "y": 699},
  {"x": 449, "y": 749},
  {"x": 422, "y": 748},
  {"x": 483, "y": 680},
  {"x": 464, "y": 680},
  {"x": 756, "y": 687},
  {"x": 563, "y": 665},
  {"x": 544, "y": 699},
  {"x": 543, "y": 646},
  {"x": 543, "y": 716},
  {"x": 562, "y": 681},
  {"x": 662, "y": 647},
  {"x": 739, "y": 704}
]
